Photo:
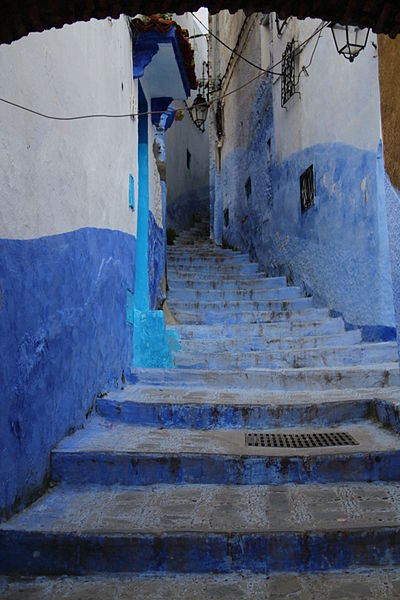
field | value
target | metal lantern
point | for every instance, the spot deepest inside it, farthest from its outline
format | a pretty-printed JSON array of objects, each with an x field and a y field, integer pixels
[
  {"x": 199, "y": 111},
  {"x": 349, "y": 41}
]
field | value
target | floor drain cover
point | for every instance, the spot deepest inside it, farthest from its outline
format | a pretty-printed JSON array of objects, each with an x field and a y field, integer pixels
[{"x": 300, "y": 440}]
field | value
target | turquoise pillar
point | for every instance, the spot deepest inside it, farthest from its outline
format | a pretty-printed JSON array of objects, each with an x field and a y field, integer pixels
[
  {"x": 153, "y": 346},
  {"x": 142, "y": 238}
]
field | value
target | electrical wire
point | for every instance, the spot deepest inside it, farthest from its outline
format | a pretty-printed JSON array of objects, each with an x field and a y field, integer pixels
[
  {"x": 305, "y": 67},
  {"x": 232, "y": 49},
  {"x": 125, "y": 115}
]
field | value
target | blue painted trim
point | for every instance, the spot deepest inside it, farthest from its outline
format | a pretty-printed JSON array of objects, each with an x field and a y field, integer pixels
[
  {"x": 223, "y": 416},
  {"x": 131, "y": 192},
  {"x": 43, "y": 553},
  {"x": 159, "y": 106},
  {"x": 171, "y": 112},
  {"x": 146, "y": 47},
  {"x": 142, "y": 282},
  {"x": 369, "y": 333},
  {"x": 123, "y": 468}
]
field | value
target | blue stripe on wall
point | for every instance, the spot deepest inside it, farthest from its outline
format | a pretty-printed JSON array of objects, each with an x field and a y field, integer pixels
[{"x": 63, "y": 339}]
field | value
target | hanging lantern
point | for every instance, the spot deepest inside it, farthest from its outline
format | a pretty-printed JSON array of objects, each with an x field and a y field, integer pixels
[
  {"x": 199, "y": 111},
  {"x": 349, "y": 41}
]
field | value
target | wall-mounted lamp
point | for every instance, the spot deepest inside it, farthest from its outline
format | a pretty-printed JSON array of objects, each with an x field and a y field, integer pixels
[
  {"x": 199, "y": 111},
  {"x": 349, "y": 41}
]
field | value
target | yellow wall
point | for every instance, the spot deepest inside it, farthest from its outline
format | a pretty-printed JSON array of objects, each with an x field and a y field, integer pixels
[{"x": 389, "y": 78}]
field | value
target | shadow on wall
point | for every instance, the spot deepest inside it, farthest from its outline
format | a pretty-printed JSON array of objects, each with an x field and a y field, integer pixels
[{"x": 185, "y": 210}]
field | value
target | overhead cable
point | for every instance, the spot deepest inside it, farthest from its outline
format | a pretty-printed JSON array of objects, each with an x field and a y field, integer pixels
[{"x": 125, "y": 115}]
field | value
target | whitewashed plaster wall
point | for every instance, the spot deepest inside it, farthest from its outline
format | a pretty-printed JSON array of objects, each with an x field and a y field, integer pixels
[
  {"x": 57, "y": 176},
  {"x": 338, "y": 249},
  {"x": 188, "y": 189},
  {"x": 338, "y": 101}
]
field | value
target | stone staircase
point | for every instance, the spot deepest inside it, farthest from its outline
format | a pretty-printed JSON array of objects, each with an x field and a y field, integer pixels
[{"x": 265, "y": 465}]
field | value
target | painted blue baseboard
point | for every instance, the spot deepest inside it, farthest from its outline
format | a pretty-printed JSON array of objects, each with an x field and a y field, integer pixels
[{"x": 64, "y": 338}]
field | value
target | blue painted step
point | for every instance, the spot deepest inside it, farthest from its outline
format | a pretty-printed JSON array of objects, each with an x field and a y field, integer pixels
[
  {"x": 268, "y": 331},
  {"x": 361, "y": 354},
  {"x": 214, "y": 283},
  {"x": 250, "y": 316},
  {"x": 194, "y": 295},
  {"x": 186, "y": 408},
  {"x": 252, "y": 343},
  {"x": 197, "y": 529},
  {"x": 289, "y": 304},
  {"x": 365, "y": 376},
  {"x": 128, "y": 455}
]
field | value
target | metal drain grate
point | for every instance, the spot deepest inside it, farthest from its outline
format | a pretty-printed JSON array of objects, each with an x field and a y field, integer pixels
[{"x": 300, "y": 440}]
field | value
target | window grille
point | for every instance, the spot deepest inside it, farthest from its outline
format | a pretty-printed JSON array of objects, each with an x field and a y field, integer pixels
[{"x": 288, "y": 78}]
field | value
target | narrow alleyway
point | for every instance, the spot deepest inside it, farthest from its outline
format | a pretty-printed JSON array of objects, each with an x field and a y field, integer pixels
[{"x": 268, "y": 392}]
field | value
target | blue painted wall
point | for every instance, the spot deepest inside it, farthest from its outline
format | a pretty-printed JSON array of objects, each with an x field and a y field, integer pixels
[
  {"x": 64, "y": 337},
  {"x": 392, "y": 196},
  {"x": 338, "y": 249},
  {"x": 189, "y": 207}
]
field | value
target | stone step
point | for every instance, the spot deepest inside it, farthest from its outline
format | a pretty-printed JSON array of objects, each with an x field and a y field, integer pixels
[
  {"x": 374, "y": 376},
  {"x": 362, "y": 354},
  {"x": 204, "y": 251},
  {"x": 202, "y": 295},
  {"x": 127, "y": 455},
  {"x": 358, "y": 584},
  {"x": 268, "y": 331},
  {"x": 216, "y": 270},
  {"x": 252, "y": 316},
  {"x": 232, "y": 283},
  {"x": 191, "y": 240},
  {"x": 252, "y": 343},
  {"x": 232, "y": 306},
  {"x": 187, "y": 276},
  {"x": 226, "y": 408},
  {"x": 193, "y": 261},
  {"x": 205, "y": 528}
]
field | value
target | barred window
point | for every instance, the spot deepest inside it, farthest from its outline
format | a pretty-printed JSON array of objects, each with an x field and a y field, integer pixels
[{"x": 288, "y": 79}]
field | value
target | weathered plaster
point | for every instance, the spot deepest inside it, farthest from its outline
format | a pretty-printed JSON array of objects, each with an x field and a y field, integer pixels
[
  {"x": 338, "y": 250},
  {"x": 338, "y": 101},
  {"x": 63, "y": 339},
  {"x": 61, "y": 176},
  {"x": 188, "y": 189}
]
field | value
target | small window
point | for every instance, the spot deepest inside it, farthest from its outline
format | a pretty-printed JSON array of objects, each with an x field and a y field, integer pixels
[
  {"x": 226, "y": 217},
  {"x": 188, "y": 159},
  {"x": 288, "y": 78},
  {"x": 247, "y": 187},
  {"x": 269, "y": 152},
  {"x": 307, "y": 188},
  {"x": 131, "y": 192}
]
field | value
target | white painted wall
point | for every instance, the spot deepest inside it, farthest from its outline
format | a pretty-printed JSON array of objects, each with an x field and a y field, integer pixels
[
  {"x": 184, "y": 185},
  {"x": 346, "y": 94},
  {"x": 61, "y": 176}
]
